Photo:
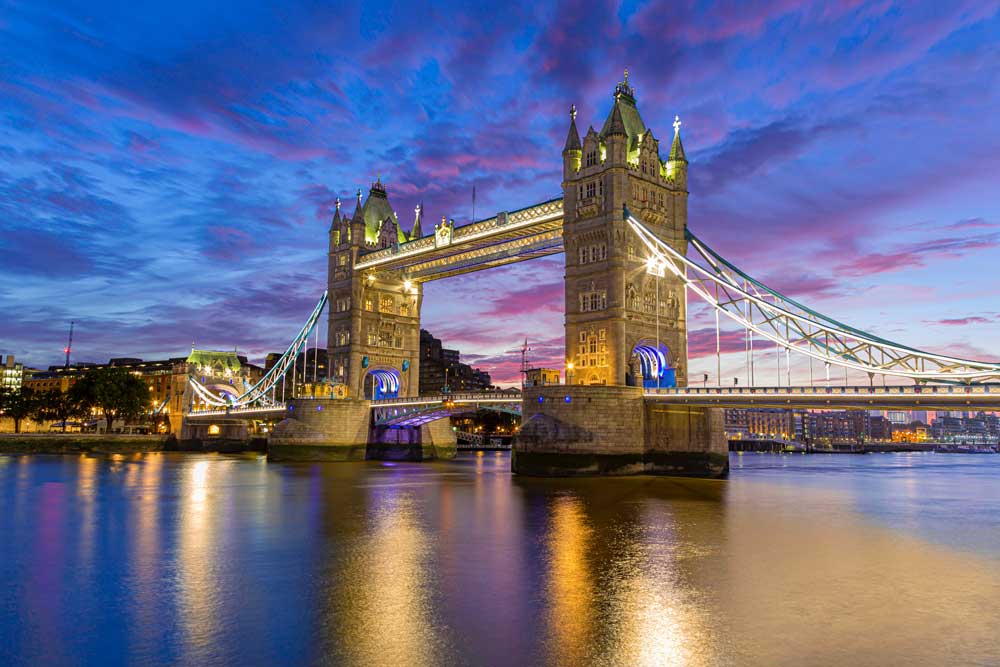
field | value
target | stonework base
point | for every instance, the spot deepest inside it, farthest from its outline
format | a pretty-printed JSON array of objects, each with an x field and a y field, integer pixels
[
  {"x": 603, "y": 430},
  {"x": 341, "y": 430},
  {"x": 321, "y": 430}
]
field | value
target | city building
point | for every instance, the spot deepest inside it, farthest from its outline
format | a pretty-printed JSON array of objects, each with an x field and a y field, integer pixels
[
  {"x": 11, "y": 373},
  {"x": 441, "y": 367},
  {"x": 539, "y": 377}
]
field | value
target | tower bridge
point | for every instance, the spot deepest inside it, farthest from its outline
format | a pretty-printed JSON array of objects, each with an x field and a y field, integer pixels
[{"x": 631, "y": 264}]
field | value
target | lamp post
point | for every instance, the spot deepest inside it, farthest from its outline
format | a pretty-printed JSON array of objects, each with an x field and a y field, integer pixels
[{"x": 569, "y": 372}]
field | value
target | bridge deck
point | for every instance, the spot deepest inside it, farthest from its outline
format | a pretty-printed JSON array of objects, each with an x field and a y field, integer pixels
[{"x": 981, "y": 397}]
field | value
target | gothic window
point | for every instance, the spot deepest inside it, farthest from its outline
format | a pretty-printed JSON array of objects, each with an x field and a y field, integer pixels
[
  {"x": 602, "y": 334},
  {"x": 602, "y": 252},
  {"x": 591, "y": 189},
  {"x": 600, "y": 187},
  {"x": 593, "y": 345},
  {"x": 342, "y": 260},
  {"x": 372, "y": 337},
  {"x": 397, "y": 341},
  {"x": 583, "y": 337},
  {"x": 369, "y": 304},
  {"x": 591, "y": 158},
  {"x": 581, "y": 192},
  {"x": 649, "y": 302},
  {"x": 644, "y": 167},
  {"x": 583, "y": 255},
  {"x": 387, "y": 304},
  {"x": 593, "y": 254},
  {"x": 404, "y": 308},
  {"x": 631, "y": 298}
]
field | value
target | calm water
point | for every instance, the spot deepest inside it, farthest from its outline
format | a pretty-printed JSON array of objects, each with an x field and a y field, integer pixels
[{"x": 209, "y": 559}]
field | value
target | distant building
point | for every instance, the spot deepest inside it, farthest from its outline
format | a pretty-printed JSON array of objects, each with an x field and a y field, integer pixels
[
  {"x": 440, "y": 367},
  {"x": 11, "y": 373},
  {"x": 540, "y": 377}
]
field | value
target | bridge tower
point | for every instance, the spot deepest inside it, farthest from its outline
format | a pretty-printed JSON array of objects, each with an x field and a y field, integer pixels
[
  {"x": 626, "y": 317},
  {"x": 373, "y": 335},
  {"x": 625, "y": 325}
]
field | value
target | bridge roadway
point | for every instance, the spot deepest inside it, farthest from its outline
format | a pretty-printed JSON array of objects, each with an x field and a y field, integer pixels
[
  {"x": 422, "y": 409},
  {"x": 912, "y": 397}
]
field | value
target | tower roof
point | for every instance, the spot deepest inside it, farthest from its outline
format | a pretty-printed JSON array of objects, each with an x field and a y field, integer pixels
[
  {"x": 336, "y": 217},
  {"x": 677, "y": 148},
  {"x": 624, "y": 116},
  {"x": 573, "y": 137},
  {"x": 416, "y": 232},
  {"x": 377, "y": 210}
]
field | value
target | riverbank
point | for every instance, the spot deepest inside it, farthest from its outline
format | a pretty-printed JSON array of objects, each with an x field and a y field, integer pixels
[{"x": 117, "y": 443}]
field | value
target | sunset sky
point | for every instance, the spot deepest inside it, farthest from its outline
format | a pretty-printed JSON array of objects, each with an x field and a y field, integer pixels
[{"x": 168, "y": 173}]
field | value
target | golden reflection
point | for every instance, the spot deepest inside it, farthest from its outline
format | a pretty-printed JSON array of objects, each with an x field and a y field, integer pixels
[
  {"x": 385, "y": 615},
  {"x": 198, "y": 596},
  {"x": 86, "y": 499},
  {"x": 143, "y": 562},
  {"x": 654, "y": 614},
  {"x": 570, "y": 583}
]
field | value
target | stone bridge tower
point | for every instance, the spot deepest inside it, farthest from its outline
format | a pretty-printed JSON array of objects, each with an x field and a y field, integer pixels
[
  {"x": 618, "y": 312},
  {"x": 374, "y": 316}
]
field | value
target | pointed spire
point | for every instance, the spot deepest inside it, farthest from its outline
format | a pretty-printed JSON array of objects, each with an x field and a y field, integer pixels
[
  {"x": 336, "y": 216},
  {"x": 616, "y": 124},
  {"x": 358, "y": 215},
  {"x": 677, "y": 148},
  {"x": 417, "y": 232},
  {"x": 573, "y": 138}
]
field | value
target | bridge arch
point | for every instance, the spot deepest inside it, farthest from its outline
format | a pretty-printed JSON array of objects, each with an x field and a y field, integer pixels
[
  {"x": 381, "y": 382},
  {"x": 651, "y": 365}
]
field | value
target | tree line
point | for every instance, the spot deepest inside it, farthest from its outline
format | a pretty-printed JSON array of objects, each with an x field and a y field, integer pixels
[{"x": 113, "y": 393}]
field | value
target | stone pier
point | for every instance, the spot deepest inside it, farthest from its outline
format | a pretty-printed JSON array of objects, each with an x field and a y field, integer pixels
[
  {"x": 611, "y": 430},
  {"x": 341, "y": 430}
]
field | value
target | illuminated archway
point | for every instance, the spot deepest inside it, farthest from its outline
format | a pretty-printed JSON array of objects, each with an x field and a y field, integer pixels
[
  {"x": 654, "y": 365},
  {"x": 382, "y": 383}
]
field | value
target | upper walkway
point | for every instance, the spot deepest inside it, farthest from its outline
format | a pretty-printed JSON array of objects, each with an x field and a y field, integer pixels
[{"x": 533, "y": 231}]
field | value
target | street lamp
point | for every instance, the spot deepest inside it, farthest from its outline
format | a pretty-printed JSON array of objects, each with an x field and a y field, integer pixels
[{"x": 569, "y": 372}]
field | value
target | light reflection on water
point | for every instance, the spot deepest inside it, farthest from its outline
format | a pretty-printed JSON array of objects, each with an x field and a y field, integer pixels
[{"x": 208, "y": 559}]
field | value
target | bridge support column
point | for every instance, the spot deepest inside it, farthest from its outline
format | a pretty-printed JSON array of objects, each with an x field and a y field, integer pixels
[
  {"x": 434, "y": 440},
  {"x": 321, "y": 430},
  {"x": 610, "y": 430},
  {"x": 341, "y": 430}
]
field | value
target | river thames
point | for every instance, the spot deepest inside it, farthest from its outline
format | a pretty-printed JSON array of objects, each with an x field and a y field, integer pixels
[{"x": 159, "y": 559}]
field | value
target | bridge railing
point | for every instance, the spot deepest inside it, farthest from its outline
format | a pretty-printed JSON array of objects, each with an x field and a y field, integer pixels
[
  {"x": 237, "y": 411},
  {"x": 900, "y": 390},
  {"x": 466, "y": 397}
]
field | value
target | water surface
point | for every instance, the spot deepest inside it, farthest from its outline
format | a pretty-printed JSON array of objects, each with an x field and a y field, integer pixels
[{"x": 210, "y": 559}]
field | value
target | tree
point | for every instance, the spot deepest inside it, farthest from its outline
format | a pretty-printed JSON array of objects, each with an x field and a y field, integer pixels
[
  {"x": 18, "y": 404},
  {"x": 60, "y": 406},
  {"x": 114, "y": 392}
]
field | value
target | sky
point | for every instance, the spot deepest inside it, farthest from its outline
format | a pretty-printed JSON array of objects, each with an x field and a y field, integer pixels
[{"x": 168, "y": 172}]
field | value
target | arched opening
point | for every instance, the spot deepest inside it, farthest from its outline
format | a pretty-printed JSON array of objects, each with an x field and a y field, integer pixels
[
  {"x": 651, "y": 362},
  {"x": 382, "y": 383}
]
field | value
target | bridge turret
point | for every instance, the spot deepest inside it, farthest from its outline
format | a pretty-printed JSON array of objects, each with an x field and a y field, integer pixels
[
  {"x": 573, "y": 150},
  {"x": 357, "y": 234},
  {"x": 676, "y": 164},
  {"x": 335, "y": 230}
]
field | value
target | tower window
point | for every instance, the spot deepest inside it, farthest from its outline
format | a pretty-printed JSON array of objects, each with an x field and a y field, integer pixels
[
  {"x": 591, "y": 158},
  {"x": 591, "y": 189}
]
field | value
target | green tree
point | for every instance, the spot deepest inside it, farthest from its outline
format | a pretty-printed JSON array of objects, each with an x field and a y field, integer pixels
[
  {"x": 114, "y": 392},
  {"x": 18, "y": 404},
  {"x": 60, "y": 406}
]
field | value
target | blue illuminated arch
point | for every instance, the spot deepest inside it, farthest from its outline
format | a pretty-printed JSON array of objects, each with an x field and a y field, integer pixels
[
  {"x": 656, "y": 369},
  {"x": 386, "y": 383}
]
